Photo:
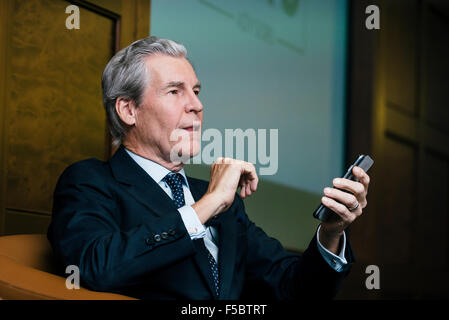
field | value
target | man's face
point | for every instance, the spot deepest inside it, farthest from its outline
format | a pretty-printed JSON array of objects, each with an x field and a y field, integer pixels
[{"x": 170, "y": 116}]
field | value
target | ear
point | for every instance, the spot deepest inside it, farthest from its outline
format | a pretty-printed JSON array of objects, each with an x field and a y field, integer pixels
[{"x": 126, "y": 110}]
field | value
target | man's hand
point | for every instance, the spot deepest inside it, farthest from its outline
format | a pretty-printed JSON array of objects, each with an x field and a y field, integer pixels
[
  {"x": 349, "y": 207},
  {"x": 226, "y": 175}
]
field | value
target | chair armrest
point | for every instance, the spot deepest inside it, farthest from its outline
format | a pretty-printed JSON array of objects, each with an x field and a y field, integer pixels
[{"x": 18, "y": 281}]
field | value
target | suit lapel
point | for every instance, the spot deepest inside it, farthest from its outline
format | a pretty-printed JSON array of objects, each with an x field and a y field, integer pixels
[
  {"x": 227, "y": 252},
  {"x": 140, "y": 185}
]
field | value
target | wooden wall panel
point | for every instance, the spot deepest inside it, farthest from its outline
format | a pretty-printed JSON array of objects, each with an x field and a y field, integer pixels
[
  {"x": 403, "y": 82},
  {"x": 55, "y": 114},
  {"x": 397, "y": 182},
  {"x": 4, "y": 35},
  {"x": 400, "y": 38},
  {"x": 433, "y": 211},
  {"x": 50, "y": 96},
  {"x": 435, "y": 69},
  {"x": 433, "y": 215}
]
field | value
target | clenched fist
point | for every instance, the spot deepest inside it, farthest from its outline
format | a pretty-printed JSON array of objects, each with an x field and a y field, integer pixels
[{"x": 226, "y": 176}]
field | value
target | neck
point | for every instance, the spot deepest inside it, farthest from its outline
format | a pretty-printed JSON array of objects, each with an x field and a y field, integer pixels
[{"x": 151, "y": 155}]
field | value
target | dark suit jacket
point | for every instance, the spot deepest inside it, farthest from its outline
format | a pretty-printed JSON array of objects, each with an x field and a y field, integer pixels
[{"x": 125, "y": 234}]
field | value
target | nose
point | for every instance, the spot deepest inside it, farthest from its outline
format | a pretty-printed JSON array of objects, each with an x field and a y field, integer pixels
[{"x": 194, "y": 104}]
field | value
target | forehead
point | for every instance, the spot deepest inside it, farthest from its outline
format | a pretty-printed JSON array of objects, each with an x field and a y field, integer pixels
[{"x": 164, "y": 69}]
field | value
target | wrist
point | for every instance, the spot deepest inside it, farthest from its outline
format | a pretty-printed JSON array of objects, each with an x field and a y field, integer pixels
[
  {"x": 208, "y": 206},
  {"x": 330, "y": 239},
  {"x": 328, "y": 234}
]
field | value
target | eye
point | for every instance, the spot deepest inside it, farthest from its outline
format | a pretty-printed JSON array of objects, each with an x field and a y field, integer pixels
[
  {"x": 197, "y": 92},
  {"x": 173, "y": 92}
]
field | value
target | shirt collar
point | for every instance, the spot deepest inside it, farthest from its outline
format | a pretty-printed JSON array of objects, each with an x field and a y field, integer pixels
[{"x": 154, "y": 169}]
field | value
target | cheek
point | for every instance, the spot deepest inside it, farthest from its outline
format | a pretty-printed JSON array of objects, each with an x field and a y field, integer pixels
[
  {"x": 171, "y": 121},
  {"x": 146, "y": 124},
  {"x": 168, "y": 123},
  {"x": 150, "y": 126}
]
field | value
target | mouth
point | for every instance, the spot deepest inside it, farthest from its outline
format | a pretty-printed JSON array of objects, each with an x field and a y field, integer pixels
[
  {"x": 195, "y": 127},
  {"x": 189, "y": 129}
]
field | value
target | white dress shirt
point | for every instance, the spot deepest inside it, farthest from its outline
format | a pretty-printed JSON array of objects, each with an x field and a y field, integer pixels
[{"x": 197, "y": 230}]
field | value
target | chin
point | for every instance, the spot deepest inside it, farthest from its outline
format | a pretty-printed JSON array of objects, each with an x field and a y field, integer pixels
[
  {"x": 182, "y": 152},
  {"x": 195, "y": 148}
]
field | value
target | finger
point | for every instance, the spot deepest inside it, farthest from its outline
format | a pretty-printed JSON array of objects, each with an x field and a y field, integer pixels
[
  {"x": 221, "y": 160},
  {"x": 243, "y": 191},
  {"x": 250, "y": 175},
  {"x": 228, "y": 160},
  {"x": 356, "y": 188},
  {"x": 339, "y": 209},
  {"x": 362, "y": 176},
  {"x": 247, "y": 171},
  {"x": 248, "y": 190},
  {"x": 348, "y": 199}
]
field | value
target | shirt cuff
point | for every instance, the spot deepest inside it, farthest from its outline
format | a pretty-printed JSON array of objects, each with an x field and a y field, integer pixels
[
  {"x": 192, "y": 223},
  {"x": 338, "y": 263}
]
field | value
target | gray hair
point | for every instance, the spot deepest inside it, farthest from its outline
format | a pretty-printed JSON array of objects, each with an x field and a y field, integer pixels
[{"x": 126, "y": 76}]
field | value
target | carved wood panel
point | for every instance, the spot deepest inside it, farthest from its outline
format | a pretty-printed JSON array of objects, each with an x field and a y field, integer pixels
[
  {"x": 54, "y": 110},
  {"x": 50, "y": 96}
]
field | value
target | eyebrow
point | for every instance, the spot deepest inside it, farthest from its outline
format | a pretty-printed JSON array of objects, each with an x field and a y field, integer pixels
[{"x": 180, "y": 84}]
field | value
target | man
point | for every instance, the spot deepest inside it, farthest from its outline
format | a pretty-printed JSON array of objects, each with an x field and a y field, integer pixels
[{"x": 136, "y": 225}]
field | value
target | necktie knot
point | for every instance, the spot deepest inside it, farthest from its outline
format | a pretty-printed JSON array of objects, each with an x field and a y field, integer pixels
[{"x": 174, "y": 181}]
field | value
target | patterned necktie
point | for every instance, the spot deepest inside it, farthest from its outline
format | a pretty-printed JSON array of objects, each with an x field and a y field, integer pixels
[
  {"x": 212, "y": 264},
  {"x": 174, "y": 181}
]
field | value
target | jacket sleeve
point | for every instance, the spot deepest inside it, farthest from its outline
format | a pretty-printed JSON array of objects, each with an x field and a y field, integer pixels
[
  {"x": 274, "y": 272},
  {"x": 84, "y": 231}
]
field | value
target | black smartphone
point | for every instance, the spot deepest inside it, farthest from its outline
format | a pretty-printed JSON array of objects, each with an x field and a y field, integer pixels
[{"x": 324, "y": 213}]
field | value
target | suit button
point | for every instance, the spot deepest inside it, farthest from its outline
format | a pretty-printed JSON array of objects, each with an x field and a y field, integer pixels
[
  {"x": 164, "y": 235},
  {"x": 171, "y": 232},
  {"x": 148, "y": 241},
  {"x": 157, "y": 238}
]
